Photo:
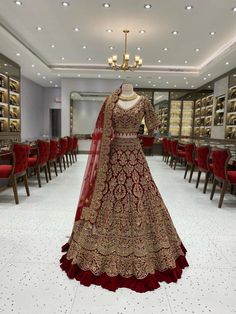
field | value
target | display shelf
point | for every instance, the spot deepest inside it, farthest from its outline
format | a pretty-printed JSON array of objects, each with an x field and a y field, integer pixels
[
  {"x": 187, "y": 118},
  {"x": 175, "y": 117},
  {"x": 219, "y": 111},
  {"x": 203, "y": 116},
  {"x": 163, "y": 116}
]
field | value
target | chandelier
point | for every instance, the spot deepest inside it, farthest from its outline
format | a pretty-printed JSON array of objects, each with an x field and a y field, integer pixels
[{"x": 112, "y": 61}]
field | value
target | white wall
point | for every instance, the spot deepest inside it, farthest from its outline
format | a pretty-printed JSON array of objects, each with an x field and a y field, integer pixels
[
  {"x": 49, "y": 102},
  {"x": 81, "y": 85},
  {"x": 85, "y": 114},
  {"x": 31, "y": 109}
]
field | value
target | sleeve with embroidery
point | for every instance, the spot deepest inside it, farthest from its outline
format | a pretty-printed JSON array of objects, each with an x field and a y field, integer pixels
[{"x": 151, "y": 117}]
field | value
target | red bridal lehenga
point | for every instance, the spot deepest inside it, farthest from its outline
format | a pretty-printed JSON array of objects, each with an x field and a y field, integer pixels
[{"x": 123, "y": 235}]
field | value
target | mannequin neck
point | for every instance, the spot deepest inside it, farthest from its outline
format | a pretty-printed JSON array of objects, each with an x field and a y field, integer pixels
[{"x": 127, "y": 90}]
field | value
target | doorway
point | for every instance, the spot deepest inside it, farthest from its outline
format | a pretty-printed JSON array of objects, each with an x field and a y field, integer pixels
[{"x": 55, "y": 119}]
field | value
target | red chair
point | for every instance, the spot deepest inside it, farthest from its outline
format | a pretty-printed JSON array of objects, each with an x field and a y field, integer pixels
[
  {"x": 39, "y": 162},
  {"x": 190, "y": 161},
  {"x": 176, "y": 154},
  {"x": 9, "y": 173},
  {"x": 220, "y": 159},
  {"x": 62, "y": 152},
  {"x": 75, "y": 147},
  {"x": 52, "y": 157},
  {"x": 164, "y": 148},
  {"x": 147, "y": 143},
  {"x": 202, "y": 162},
  {"x": 69, "y": 150}
]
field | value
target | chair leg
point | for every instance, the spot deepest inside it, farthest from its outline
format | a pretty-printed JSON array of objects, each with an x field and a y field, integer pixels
[
  {"x": 75, "y": 155},
  {"x": 70, "y": 158},
  {"x": 67, "y": 160},
  {"x": 59, "y": 161},
  {"x": 176, "y": 160},
  {"x": 186, "y": 171},
  {"x": 49, "y": 170},
  {"x": 46, "y": 173},
  {"x": 26, "y": 184},
  {"x": 198, "y": 178},
  {"x": 206, "y": 182},
  {"x": 222, "y": 194},
  {"x": 213, "y": 188},
  {"x": 14, "y": 187},
  {"x": 38, "y": 175},
  {"x": 55, "y": 167},
  {"x": 191, "y": 173},
  {"x": 64, "y": 162}
]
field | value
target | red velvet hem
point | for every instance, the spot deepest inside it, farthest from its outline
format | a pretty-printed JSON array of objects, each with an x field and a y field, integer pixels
[{"x": 149, "y": 283}]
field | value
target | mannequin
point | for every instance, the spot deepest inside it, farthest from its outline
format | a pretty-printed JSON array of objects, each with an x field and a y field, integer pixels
[{"x": 128, "y": 98}]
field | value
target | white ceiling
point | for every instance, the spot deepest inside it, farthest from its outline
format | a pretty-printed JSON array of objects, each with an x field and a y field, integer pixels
[{"x": 18, "y": 34}]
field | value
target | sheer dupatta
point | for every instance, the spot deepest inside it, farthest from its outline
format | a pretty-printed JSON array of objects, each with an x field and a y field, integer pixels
[{"x": 97, "y": 165}]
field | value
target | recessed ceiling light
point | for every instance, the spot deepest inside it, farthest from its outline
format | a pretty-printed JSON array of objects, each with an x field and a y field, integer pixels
[
  {"x": 109, "y": 31},
  {"x": 189, "y": 7},
  {"x": 165, "y": 49},
  {"x": 44, "y": 77},
  {"x": 175, "y": 85},
  {"x": 111, "y": 47},
  {"x": 62, "y": 58},
  {"x": 119, "y": 76},
  {"x": 56, "y": 85},
  {"x": 18, "y": 54},
  {"x": 89, "y": 59},
  {"x": 186, "y": 83},
  {"x": 39, "y": 28},
  {"x": 99, "y": 75},
  {"x": 38, "y": 74},
  {"x": 58, "y": 74},
  {"x": 18, "y": 2},
  {"x": 140, "y": 77},
  {"x": 154, "y": 85},
  {"x": 65, "y": 4},
  {"x": 204, "y": 78},
  {"x": 76, "y": 29},
  {"x": 209, "y": 86},
  {"x": 209, "y": 74},
  {"x": 167, "y": 82},
  {"x": 175, "y": 33},
  {"x": 197, "y": 49},
  {"x": 227, "y": 63},
  {"x": 106, "y": 5},
  {"x": 138, "y": 48},
  {"x": 78, "y": 75},
  {"x": 234, "y": 9},
  {"x": 147, "y": 6},
  {"x": 185, "y": 61},
  {"x": 185, "y": 78},
  {"x": 234, "y": 75},
  {"x": 192, "y": 86},
  {"x": 159, "y": 77},
  {"x": 142, "y": 31},
  {"x": 212, "y": 33},
  {"x": 53, "y": 46},
  {"x": 136, "y": 85},
  {"x": 33, "y": 65},
  {"x": 5, "y": 64},
  {"x": 50, "y": 82},
  {"x": 149, "y": 82},
  {"x": 84, "y": 47}
]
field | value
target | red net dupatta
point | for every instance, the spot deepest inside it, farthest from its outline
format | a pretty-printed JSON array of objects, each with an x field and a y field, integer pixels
[{"x": 97, "y": 164}]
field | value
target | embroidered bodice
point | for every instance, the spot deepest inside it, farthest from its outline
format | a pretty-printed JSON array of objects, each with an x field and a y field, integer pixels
[{"x": 129, "y": 120}]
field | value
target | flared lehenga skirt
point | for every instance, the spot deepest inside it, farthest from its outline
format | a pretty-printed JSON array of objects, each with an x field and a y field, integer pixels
[{"x": 133, "y": 243}]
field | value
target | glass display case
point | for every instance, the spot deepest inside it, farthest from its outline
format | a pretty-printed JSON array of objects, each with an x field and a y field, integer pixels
[
  {"x": 161, "y": 105},
  {"x": 175, "y": 117},
  {"x": 219, "y": 111},
  {"x": 230, "y": 129},
  {"x": 187, "y": 118}
]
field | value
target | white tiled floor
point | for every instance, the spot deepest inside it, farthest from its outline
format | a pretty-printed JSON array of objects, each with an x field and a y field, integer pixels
[{"x": 32, "y": 233}]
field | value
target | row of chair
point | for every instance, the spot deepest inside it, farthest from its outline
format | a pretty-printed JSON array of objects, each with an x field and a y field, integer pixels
[
  {"x": 24, "y": 161},
  {"x": 214, "y": 162}
]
